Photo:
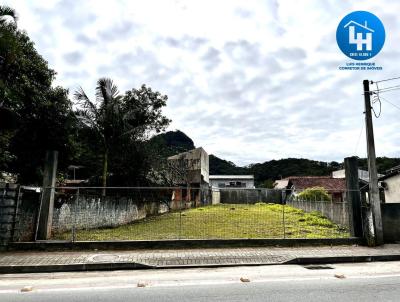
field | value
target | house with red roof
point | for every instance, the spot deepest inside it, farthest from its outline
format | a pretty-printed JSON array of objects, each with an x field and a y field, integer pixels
[{"x": 336, "y": 187}]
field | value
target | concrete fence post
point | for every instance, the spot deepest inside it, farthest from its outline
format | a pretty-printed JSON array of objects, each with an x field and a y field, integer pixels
[
  {"x": 47, "y": 202},
  {"x": 353, "y": 196}
]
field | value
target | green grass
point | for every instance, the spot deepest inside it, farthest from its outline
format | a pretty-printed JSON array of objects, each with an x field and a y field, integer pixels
[{"x": 224, "y": 221}]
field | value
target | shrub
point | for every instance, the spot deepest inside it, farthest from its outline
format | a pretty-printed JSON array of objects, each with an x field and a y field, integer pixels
[{"x": 315, "y": 193}]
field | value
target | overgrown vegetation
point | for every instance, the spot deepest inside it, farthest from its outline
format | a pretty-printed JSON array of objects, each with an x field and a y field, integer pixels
[
  {"x": 222, "y": 221},
  {"x": 315, "y": 193}
]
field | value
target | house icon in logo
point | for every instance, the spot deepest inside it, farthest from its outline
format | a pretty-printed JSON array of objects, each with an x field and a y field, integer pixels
[{"x": 357, "y": 38}]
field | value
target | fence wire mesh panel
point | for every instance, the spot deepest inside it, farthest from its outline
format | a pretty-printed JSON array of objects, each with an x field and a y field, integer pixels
[{"x": 85, "y": 214}]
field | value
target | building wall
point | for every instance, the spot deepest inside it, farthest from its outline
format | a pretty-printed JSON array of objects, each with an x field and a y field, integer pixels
[
  {"x": 392, "y": 192},
  {"x": 191, "y": 166},
  {"x": 205, "y": 166},
  {"x": 248, "y": 182}
]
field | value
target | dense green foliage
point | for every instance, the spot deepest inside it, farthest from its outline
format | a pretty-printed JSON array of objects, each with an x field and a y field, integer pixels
[
  {"x": 315, "y": 193},
  {"x": 114, "y": 127},
  {"x": 220, "y": 166},
  {"x": 120, "y": 122},
  {"x": 44, "y": 113},
  {"x": 172, "y": 142},
  {"x": 382, "y": 163}
]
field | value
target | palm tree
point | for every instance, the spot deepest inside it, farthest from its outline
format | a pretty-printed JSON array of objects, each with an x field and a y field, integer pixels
[
  {"x": 104, "y": 116},
  {"x": 6, "y": 11}
]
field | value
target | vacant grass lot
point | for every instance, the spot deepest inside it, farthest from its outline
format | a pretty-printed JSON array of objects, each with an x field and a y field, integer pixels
[{"x": 221, "y": 221}]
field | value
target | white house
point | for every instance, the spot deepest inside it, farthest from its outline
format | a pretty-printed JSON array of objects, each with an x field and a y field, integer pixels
[
  {"x": 391, "y": 185},
  {"x": 232, "y": 181},
  {"x": 362, "y": 175}
]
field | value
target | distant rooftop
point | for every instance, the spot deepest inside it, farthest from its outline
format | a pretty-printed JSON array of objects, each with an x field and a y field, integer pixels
[
  {"x": 330, "y": 184},
  {"x": 362, "y": 174}
]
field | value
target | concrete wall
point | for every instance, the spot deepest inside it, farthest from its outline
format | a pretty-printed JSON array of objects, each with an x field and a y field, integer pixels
[
  {"x": 246, "y": 196},
  {"x": 392, "y": 192},
  {"x": 18, "y": 213},
  {"x": 88, "y": 212},
  {"x": 27, "y": 215},
  {"x": 93, "y": 211},
  {"x": 8, "y": 203},
  {"x": 337, "y": 212},
  {"x": 391, "y": 221}
]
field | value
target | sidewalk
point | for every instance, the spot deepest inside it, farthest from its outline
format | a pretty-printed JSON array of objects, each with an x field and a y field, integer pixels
[{"x": 26, "y": 262}]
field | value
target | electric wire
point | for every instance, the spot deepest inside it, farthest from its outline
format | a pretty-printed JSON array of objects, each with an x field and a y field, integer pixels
[
  {"x": 385, "y": 80},
  {"x": 395, "y": 87},
  {"x": 387, "y": 101},
  {"x": 359, "y": 137},
  {"x": 376, "y": 99}
]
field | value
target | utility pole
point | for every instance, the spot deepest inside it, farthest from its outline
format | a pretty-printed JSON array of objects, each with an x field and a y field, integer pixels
[{"x": 374, "y": 200}]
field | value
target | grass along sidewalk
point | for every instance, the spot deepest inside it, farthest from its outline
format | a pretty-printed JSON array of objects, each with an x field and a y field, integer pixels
[{"x": 223, "y": 221}]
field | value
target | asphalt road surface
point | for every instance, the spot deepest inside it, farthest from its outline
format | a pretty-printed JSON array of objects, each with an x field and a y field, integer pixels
[{"x": 378, "y": 281}]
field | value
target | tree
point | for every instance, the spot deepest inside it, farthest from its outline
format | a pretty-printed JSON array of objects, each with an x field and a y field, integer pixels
[
  {"x": 26, "y": 90},
  {"x": 6, "y": 11},
  {"x": 104, "y": 116},
  {"x": 118, "y": 119}
]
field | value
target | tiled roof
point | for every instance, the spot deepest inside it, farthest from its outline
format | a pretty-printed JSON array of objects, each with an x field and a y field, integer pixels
[{"x": 330, "y": 184}]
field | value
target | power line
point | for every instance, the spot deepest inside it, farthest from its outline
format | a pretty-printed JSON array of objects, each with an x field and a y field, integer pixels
[
  {"x": 359, "y": 137},
  {"x": 398, "y": 107},
  {"x": 385, "y": 80},
  {"x": 376, "y": 99},
  {"x": 386, "y": 88}
]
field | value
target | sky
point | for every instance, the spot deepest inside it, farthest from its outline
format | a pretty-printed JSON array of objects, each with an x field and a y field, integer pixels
[{"x": 249, "y": 81}]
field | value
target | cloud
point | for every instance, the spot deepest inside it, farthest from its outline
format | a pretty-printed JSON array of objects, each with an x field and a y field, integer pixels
[
  {"x": 248, "y": 83},
  {"x": 185, "y": 42},
  {"x": 121, "y": 30},
  {"x": 73, "y": 57},
  {"x": 86, "y": 40}
]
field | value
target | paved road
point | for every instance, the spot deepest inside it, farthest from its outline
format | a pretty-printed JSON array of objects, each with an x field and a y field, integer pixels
[
  {"x": 356, "y": 282},
  {"x": 383, "y": 289}
]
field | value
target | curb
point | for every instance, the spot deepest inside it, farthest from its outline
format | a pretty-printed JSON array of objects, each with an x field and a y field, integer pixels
[
  {"x": 343, "y": 259},
  {"x": 175, "y": 244},
  {"x": 81, "y": 267},
  {"x": 109, "y": 266}
]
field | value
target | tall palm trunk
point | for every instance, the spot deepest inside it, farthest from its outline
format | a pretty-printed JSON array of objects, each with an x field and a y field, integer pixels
[{"x": 105, "y": 168}]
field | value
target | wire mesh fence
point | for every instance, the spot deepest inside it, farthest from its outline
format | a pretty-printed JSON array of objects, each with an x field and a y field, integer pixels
[{"x": 84, "y": 214}]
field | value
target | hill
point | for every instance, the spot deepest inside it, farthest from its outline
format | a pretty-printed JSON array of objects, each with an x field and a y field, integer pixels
[{"x": 174, "y": 142}]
